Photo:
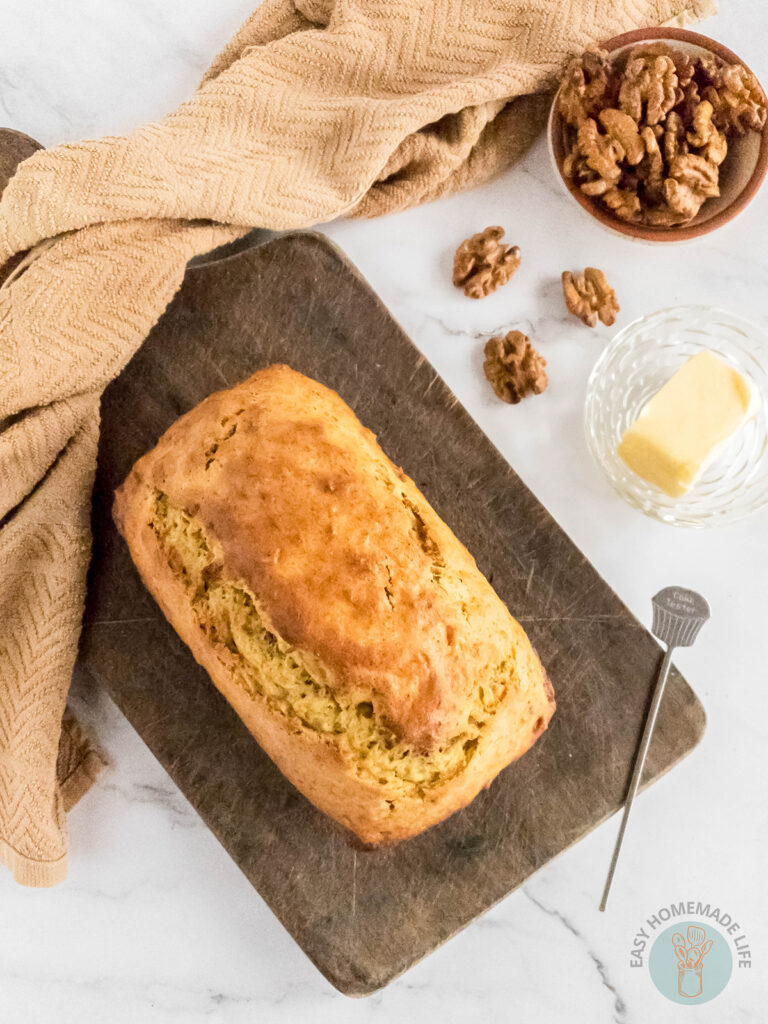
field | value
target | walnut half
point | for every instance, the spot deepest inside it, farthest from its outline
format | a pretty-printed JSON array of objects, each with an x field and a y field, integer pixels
[
  {"x": 514, "y": 368},
  {"x": 589, "y": 296},
  {"x": 483, "y": 263}
]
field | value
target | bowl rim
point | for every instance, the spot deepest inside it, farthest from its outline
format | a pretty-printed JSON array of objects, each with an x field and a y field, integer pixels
[{"x": 643, "y": 231}]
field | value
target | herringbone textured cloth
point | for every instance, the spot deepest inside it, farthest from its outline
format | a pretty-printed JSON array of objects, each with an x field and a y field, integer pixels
[{"x": 317, "y": 108}]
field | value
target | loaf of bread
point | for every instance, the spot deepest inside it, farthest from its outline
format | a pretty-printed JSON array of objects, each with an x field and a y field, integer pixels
[{"x": 331, "y": 606}]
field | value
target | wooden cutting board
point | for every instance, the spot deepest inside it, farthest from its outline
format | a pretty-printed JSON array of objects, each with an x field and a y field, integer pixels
[{"x": 364, "y": 917}]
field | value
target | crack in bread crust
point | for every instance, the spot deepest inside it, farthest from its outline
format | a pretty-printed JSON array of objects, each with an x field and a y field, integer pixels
[{"x": 272, "y": 671}]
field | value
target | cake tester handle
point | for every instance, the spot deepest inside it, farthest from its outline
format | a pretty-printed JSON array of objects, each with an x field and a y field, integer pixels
[{"x": 678, "y": 615}]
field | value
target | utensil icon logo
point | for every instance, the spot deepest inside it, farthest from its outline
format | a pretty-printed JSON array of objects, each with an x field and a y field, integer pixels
[
  {"x": 690, "y": 956},
  {"x": 690, "y": 962}
]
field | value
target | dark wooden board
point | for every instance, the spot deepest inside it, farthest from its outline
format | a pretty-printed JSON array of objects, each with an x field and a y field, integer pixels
[{"x": 364, "y": 917}]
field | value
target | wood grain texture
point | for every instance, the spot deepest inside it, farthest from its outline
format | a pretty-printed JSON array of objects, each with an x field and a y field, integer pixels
[{"x": 364, "y": 917}]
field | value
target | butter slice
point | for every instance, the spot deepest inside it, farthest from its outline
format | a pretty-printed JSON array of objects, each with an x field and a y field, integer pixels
[{"x": 683, "y": 428}]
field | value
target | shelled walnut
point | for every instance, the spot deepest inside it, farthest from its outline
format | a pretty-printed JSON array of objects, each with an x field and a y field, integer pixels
[
  {"x": 514, "y": 368},
  {"x": 649, "y": 83},
  {"x": 645, "y": 135},
  {"x": 483, "y": 263},
  {"x": 737, "y": 98},
  {"x": 588, "y": 84},
  {"x": 589, "y": 296}
]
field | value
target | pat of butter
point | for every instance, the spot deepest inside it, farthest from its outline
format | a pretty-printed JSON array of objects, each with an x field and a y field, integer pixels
[{"x": 685, "y": 425}]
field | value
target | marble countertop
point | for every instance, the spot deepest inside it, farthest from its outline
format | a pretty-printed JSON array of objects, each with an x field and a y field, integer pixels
[{"x": 155, "y": 923}]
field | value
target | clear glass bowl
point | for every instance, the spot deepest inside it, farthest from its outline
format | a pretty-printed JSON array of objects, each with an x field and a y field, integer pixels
[{"x": 635, "y": 365}]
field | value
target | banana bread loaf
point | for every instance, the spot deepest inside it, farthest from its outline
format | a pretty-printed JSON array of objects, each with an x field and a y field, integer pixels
[{"x": 331, "y": 606}]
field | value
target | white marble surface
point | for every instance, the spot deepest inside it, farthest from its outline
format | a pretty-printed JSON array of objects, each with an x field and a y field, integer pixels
[{"x": 155, "y": 923}]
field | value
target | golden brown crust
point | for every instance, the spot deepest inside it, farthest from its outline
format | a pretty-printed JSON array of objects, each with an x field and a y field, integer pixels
[{"x": 355, "y": 569}]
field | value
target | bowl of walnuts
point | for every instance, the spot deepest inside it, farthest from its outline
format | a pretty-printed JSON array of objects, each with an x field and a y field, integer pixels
[{"x": 660, "y": 135}]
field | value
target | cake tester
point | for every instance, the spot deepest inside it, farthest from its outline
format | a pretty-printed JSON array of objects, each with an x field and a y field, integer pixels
[{"x": 678, "y": 615}]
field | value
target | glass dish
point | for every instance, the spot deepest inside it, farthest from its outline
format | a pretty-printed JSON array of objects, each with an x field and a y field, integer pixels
[{"x": 635, "y": 365}]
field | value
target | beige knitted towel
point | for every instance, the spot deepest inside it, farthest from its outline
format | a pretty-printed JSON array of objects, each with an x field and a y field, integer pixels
[{"x": 316, "y": 109}]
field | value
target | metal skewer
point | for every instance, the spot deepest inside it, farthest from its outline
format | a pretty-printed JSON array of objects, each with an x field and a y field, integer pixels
[{"x": 678, "y": 615}]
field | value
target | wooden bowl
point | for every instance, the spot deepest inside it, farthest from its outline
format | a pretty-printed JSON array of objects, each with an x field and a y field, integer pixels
[{"x": 741, "y": 173}]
